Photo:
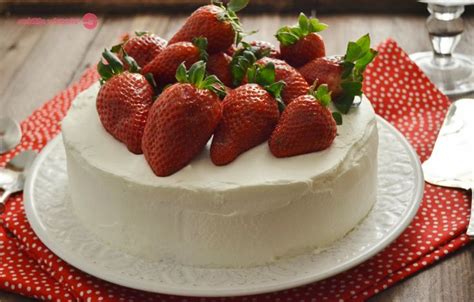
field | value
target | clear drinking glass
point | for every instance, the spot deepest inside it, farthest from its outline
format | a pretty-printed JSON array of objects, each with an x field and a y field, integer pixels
[{"x": 451, "y": 72}]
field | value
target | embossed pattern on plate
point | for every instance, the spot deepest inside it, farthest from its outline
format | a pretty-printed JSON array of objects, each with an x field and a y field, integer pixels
[{"x": 48, "y": 207}]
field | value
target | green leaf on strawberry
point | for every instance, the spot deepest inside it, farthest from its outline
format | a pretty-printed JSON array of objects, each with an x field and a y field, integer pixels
[
  {"x": 133, "y": 65},
  {"x": 344, "y": 103},
  {"x": 265, "y": 77},
  {"x": 229, "y": 15},
  {"x": 289, "y": 35},
  {"x": 105, "y": 71},
  {"x": 237, "y": 5},
  {"x": 323, "y": 95},
  {"x": 353, "y": 87},
  {"x": 116, "y": 48},
  {"x": 115, "y": 67},
  {"x": 182, "y": 74},
  {"x": 358, "y": 56},
  {"x": 149, "y": 77},
  {"x": 337, "y": 117},
  {"x": 242, "y": 59},
  {"x": 201, "y": 44},
  {"x": 196, "y": 75},
  {"x": 141, "y": 33},
  {"x": 114, "y": 62}
]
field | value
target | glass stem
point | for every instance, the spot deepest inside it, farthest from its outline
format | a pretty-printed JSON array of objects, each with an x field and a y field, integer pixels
[
  {"x": 445, "y": 27},
  {"x": 442, "y": 60}
]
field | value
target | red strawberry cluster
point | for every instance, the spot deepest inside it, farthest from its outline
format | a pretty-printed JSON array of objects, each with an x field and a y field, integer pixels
[{"x": 168, "y": 99}]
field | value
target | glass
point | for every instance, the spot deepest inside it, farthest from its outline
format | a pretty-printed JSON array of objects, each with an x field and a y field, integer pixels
[{"x": 451, "y": 72}]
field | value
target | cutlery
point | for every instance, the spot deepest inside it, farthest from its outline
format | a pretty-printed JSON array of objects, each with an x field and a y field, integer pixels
[
  {"x": 10, "y": 134},
  {"x": 16, "y": 170},
  {"x": 452, "y": 162}
]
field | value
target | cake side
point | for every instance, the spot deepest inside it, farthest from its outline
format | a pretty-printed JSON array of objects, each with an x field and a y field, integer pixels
[{"x": 250, "y": 212}]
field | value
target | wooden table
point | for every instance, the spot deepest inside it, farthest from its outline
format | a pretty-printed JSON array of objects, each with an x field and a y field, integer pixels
[{"x": 38, "y": 61}]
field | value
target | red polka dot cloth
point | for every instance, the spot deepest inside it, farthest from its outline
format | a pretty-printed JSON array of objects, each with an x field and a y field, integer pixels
[{"x": 399, "y": 91}]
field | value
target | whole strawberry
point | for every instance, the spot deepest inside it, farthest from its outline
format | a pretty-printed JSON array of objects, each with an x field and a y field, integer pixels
[
  {"x": 124, "y": 101},
  {"x": 305, "y": 126},
  {"x": 182, "y": 120},
  {"x": 250, "y": 113},
  {"x": 219, "y": 24},
  {"x": 143, "y": 47},
  {"x": 219, "y": 65},
  {"x": 343, "y": 75},
  {"x": 300, "y": 44},
  {"x": 163, "y": 67},
  {"x": 295, "y": 86}
]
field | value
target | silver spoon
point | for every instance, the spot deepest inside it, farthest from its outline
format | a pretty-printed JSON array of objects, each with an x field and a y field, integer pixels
[
  {"x": 19, "y": 168},
  {"x": 10, "y": 134}
]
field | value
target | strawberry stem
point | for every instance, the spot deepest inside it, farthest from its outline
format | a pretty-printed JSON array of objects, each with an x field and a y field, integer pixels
[
  {"x": 323, "y": 95},
  {"x": 358, "y": 56},
  {"x": 229, "y": 14},
  {"x": 141, "y": 33},
  {"x": 149, "y": 77},
  {"x": 114, "y": 66},
  {"x": 132, "y": 64},
  {"x": 201, "y": 44},
  {"x": 237, "y": 5},
  {"x": 114, "y": 62},
  {"x": 265, "y": 77},
  {"x": 116, "y": 48},
  {"x": 196, "y": 75},
  {"x": 289, "y": 35},
  {"x": 242, "y": 59},
  {"x": 337, "y": 116}
]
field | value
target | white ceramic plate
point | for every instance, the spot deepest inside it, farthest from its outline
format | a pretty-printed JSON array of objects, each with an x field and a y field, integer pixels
[{"x": 49, "y": 211}]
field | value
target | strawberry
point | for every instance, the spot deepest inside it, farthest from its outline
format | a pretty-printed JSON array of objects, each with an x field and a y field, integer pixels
[
  {"x": 325, "y": 70},
  {"x": 182, "y": 120},
  {"x": 305, "y": 126},
  {"x": 250, "y": 113},
  {"x": 343, "y": 75},
  {"x": 295, "y": 83},
  {"x": 296, "y": 86},
  {"x": 144, "y": 47},
  {"x": 219, "y": 65},
  {"x": 219, "y": 24},
  {"x": 265, "y": 49},
  {"x": 300, "y": 44},
  {"x": 124, "y": 101},
  {"x": 163, "y": 67}
]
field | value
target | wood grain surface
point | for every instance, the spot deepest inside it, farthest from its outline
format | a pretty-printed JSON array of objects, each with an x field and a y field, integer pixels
[
  {"x": 39, "y": 61},
  {"x": 125, "y": 6}
]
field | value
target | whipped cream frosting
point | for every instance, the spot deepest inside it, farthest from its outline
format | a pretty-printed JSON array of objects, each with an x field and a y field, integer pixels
[{"x": 250, "y": 212}]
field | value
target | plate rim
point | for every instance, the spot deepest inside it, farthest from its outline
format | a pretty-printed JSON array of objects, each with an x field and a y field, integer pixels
[{"x": 90, "y": 268}]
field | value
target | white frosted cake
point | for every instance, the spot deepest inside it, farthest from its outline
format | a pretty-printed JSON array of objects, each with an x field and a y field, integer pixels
[{"x": 253, "y": 211}]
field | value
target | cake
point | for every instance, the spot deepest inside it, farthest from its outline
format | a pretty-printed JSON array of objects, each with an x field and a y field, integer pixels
[
  {"x": 253, "y": 211},
  {"x": 208, "y": 151}
]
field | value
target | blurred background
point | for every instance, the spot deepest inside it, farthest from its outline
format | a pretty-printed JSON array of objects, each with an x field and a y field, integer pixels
[
  {"x": 257, "y": 6},
  {"x": 51, "y": 56}
]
